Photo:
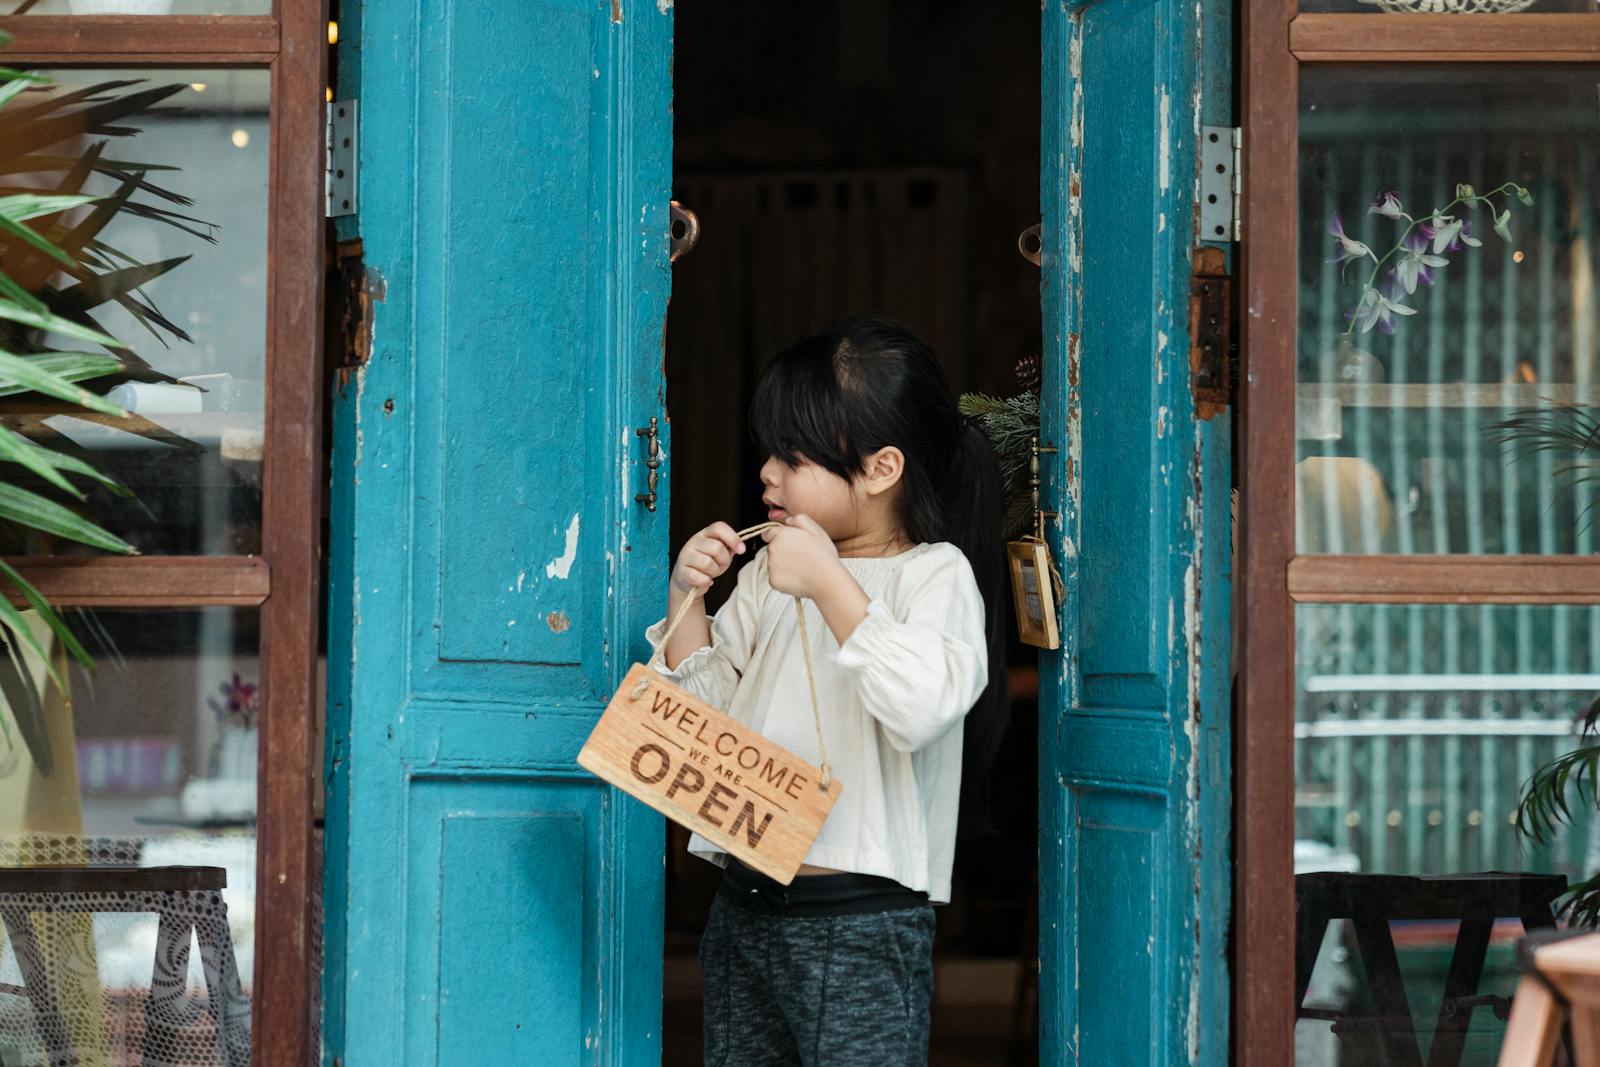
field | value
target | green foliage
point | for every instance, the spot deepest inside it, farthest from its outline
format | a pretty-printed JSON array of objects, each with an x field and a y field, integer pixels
[
  {"x": 55, "y": 272},
  {"x": 1011, "y": 424},
  {"x": 1545, "y": 807},
  {"x": 1572, "y": 433}
]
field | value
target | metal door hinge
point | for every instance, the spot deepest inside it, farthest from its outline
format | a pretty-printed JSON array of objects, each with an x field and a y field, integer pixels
[
  {"x": 339, "y": 142},
  {"x": 1219, "y": 183},
  {"x": 1210, "y": 332},
  {"x": 652, "y": 463}
]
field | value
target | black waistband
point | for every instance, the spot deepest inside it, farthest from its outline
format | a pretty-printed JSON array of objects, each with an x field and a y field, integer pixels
[{"x": 815, "y": 895}]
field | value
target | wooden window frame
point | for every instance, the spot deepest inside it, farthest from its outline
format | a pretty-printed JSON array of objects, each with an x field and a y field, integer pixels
[
  {"x": 291, "y": 44},
  {"x": 1276, "y": 41}
]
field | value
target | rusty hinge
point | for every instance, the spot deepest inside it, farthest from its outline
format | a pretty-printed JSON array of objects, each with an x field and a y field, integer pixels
[
  {"x": 1210, "y": 331},
  {"x": 351, "y": 293}
]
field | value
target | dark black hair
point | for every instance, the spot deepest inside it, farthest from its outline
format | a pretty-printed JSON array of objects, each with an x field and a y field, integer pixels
[{"x": 867, "y": 383}]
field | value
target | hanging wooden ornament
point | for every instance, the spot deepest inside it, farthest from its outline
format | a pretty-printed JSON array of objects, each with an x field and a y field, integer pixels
[{"x": 1036, "y": 586}]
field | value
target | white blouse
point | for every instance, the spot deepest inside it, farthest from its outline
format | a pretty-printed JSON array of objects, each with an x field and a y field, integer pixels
[{"x": 892, "y": 699}]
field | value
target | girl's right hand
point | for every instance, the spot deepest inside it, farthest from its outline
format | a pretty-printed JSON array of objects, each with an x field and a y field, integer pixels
[{"x": 705, "y": 557}]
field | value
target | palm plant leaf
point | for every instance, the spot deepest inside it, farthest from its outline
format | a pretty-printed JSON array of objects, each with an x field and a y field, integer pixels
[
  {"x": 21, "y": 697},
  {"x": 20, "y": 207},
  {"x": 66, "y": 367},
  {"x": 30, "y": 374},
  {"x": 15, "y": 312},
  {"x": 44, "y": 235},
  {"x": 35, "y": 600},
  {"x": 29, "y": 509}
]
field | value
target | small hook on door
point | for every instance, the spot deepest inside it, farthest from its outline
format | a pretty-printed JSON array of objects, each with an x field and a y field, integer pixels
[
  {"x": 683, "y": 228},
  {"x": 1030, "y": 243}
]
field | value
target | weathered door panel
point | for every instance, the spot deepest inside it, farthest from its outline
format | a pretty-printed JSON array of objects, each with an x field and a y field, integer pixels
[
  {"x": 492, "y": 572},
  {"x": 1133, "y": 727}
]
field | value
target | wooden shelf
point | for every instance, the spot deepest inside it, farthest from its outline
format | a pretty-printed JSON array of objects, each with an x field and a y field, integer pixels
[
  {"x": 1450, "y": 395},
  {"x": 1386, "y": 38},
  {"x": 146, "y": 581},
  {"x": 1444, "y": 579},
  {"x": 186, "y": 40}
]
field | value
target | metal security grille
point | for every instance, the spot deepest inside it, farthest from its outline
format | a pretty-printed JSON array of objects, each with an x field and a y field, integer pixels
[{"x": 1416, "y": 725}]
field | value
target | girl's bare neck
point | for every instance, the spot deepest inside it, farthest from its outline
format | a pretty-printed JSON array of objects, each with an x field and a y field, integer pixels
[{"x": 872, "y": 545}]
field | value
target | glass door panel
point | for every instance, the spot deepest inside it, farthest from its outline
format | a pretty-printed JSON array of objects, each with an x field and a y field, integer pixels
[
  {"x": 171, "y": 262},
  {"x": 1448, "y": 319}
]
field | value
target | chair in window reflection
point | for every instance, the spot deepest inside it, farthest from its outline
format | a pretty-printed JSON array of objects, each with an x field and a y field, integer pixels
[
  {"x": 1383, "y": 1029},
  {"x": 1341, "y": 505},
  {"x": 47, "y": 895}
]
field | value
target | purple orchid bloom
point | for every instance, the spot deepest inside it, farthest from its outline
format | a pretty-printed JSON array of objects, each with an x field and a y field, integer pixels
[
  {"x": 1378, "y": 308},
  {"x": 1346, "y": 248},
  {"x": 1448, "y": 233},
  {"x": 1416, "y": 264},
  {"x": 1387, "y": 205}
]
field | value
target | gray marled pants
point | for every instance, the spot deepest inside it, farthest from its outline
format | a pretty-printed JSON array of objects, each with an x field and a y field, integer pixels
[{"x": 817, "y": 991}]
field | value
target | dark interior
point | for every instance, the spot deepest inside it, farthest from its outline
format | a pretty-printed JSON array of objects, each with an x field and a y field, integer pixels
[{"x": 873, "y": 155}]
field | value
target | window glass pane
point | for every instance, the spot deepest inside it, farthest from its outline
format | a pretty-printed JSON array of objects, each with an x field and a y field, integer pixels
[
  {"x": 151, "y": 764},
  {"x": 177, "y": 273},
  {"x": 1467, "y": 428},
  {"x": 1416, "y": 729}
]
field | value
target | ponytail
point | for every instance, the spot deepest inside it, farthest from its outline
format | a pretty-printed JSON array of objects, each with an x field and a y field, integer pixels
[{"x": 973, "y": 525}]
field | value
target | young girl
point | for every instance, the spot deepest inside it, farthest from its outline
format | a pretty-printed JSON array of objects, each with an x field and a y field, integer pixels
[{"x": 890, "y": 506}]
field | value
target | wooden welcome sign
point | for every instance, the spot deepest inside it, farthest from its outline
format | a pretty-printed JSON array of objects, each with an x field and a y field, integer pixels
[{"x": 701, "y": 769}]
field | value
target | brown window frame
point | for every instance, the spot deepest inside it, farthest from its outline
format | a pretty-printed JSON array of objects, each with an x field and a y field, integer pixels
[
  {"x": 1276, "y": 41},
  {"x": 284, "y": 580}
]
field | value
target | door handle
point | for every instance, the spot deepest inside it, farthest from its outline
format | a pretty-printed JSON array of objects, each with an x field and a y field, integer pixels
[
  {"x": 683, "y": 229},
  {"x": 1030, "y": 243},
  {"x": 652, "y": 463}
]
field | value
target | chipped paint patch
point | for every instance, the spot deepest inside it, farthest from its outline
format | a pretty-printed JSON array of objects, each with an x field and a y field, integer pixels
[
  {"x": 558, "y": 622},
  {"x": 664, "y": 6},
  {"x": 616, "y": 10},
  {"x": 1165, "y": 147},
  {"x": 561, "y": 566}
]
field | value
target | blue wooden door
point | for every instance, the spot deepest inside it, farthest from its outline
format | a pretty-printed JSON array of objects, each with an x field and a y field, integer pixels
[
  {"x": 1134, "y": 771},
  {"x": 491, "y": 572}
]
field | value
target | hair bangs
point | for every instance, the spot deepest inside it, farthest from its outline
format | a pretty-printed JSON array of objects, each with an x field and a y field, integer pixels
[{"x": 799, "y": 411}]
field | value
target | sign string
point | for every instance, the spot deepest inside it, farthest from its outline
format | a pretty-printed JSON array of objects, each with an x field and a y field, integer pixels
[{"x": 805, "y": 647}]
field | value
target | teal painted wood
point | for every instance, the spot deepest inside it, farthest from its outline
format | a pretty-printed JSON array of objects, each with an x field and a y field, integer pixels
[
  {"x": 1133, "y": 748},
  {"x": 491, "y": 575}
]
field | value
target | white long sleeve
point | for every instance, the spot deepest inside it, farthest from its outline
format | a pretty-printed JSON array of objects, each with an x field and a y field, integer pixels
[{"x": 892, "y": 699}]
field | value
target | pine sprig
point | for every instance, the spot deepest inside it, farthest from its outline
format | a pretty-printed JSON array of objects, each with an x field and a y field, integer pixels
[{"x": 1011, "y": 424}]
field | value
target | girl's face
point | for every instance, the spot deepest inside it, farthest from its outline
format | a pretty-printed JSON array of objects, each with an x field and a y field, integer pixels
[{"x": 807, "y": 489}]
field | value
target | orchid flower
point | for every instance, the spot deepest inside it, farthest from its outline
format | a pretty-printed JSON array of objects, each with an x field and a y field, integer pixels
[
  {"x": 1346, "y": 248},
  {"x": 1379, "y": 309},
  {"x": 1387, "y": 205},
  {"x": 1418, "y": 252},
  {"x": 1448, "y": 233},
  {"x": 1416, "y": 264}
]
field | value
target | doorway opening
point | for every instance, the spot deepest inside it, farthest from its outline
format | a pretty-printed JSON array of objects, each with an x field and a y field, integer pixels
[{"x": 872, "y": 155}]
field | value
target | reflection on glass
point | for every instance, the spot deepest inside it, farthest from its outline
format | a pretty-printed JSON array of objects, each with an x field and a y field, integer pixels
[
  {"x": 1416, "y": 729},
  {"x": 1449, "y": 330},
  {"x": 150, "y": 764},
  {"x": 172, "y": 263}
]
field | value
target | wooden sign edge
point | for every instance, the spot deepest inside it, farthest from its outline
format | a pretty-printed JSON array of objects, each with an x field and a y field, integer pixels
[{"x": 721, "y": 839}]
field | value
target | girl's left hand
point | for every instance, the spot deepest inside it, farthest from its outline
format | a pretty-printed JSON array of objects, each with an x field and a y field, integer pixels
[{"x": 800, "y": 557}]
